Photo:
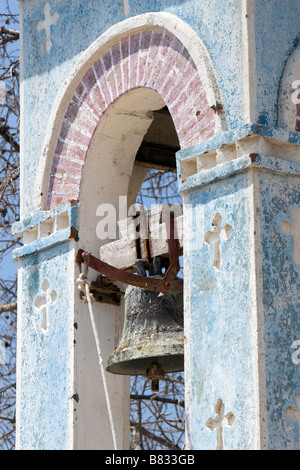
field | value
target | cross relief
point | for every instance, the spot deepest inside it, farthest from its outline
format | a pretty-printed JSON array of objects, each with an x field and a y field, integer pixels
[
  {"x": 44, "y": 301},
  {"x": 45, "y": 24},
  {"x": 220, "y": 422},
  {"x": 215, "y": 236}
]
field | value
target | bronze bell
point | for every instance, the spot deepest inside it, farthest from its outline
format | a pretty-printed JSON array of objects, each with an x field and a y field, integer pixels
[{"x": 152, "y": 341}]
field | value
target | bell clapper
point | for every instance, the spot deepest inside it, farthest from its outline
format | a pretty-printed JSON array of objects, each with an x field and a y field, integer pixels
[{"x": 155, "y": 373}]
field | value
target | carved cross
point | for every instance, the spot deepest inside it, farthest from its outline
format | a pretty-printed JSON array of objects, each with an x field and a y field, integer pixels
[
  {"x": 44, "y": 301},
  {"x": 220, "y": 422},
  {"x": 49, "y": 20},
  {"x": 215, "y": 236},
  {"x": 293, "y": 229},
  {"x": 293, "y": 413}
]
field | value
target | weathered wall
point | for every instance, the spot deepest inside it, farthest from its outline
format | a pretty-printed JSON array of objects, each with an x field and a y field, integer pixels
[{"x": 241, "y": 296}]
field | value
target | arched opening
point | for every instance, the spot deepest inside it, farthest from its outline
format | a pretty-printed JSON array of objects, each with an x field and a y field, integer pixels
[
  {"x": 157, "y": 419},
  {"x": 135, "y": 136},
  {"x": 97, "y": 151}
]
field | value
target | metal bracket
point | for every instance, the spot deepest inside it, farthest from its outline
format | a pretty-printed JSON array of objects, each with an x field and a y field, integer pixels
[
  {"x": 104, "y": 291},
  {"x": 169, "y": 282}
]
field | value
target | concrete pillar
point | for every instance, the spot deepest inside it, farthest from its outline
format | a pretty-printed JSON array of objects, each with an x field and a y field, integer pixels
[{"x": 241, "y": 274}]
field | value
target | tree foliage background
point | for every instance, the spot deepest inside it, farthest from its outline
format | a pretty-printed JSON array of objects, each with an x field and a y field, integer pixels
[{"x": 157, "y": 420}]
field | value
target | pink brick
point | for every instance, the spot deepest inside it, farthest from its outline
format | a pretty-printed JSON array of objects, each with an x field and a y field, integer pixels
[
  {"x": 199, "y": 99},
  {"x": 133, "y": 70},
  {"x": 116, "y": 53},
  {"x": 208, "y": 132},
  {"x": 175, "y": 75},
  {"x": 143, "y": 53},
  {"x": 95, "y": 98},
  {"x": 176, "y": 89},
  {"x": 195, "y": 91},
  {"x": 117, "y": 71},
  {"x": 134, "y": 43},
  {"x": 179, "y": 106},
  {"x": 186, "y": 127},
  {"x": 111, "y": 84},
  {"x": 77, "y": 153},
  {"x": 107, "y": 60},
  {"x": 76, "y": 136},
  {"x": 125, "y": 47},
  {"x": 61, "y": 148},
  {"x": 151, "y": 59},
  {"x": 99, "y": 70},
  {"x": 72, "y": 112},
  {"x": 62, "y": 165},
  {"x": 65, "y": 187},
  {"x": 104, "y": 90},
  {"x": 54, "y": 200},
  {"x": 65, "y": 129},
  {"x": 205, "y": 118},
  {"x": 125, "y": 74},
  {"x": 80, "y": 92},
  {"x": 89, "y": 79},
  {"x": 165, "y": 69}
]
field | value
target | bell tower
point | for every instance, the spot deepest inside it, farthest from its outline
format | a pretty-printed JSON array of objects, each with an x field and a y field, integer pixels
[{"x": 94, "y": 76}]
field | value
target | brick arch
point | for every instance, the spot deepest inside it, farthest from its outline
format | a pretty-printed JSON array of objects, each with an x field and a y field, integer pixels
[{"x": 154, "y": 59}]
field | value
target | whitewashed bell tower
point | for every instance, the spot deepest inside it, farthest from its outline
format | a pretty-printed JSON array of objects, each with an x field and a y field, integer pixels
[{"x": 94, "y": 76}]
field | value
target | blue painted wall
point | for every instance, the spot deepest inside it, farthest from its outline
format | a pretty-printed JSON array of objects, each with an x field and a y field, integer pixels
[
  {"x": 43, "y": 361},
  {"x": 281, "y": 276},
  {"x": 220, "y": 315}
]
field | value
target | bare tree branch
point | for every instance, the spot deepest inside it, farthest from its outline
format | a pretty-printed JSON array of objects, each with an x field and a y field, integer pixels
[{"x": 8, "y": 307}]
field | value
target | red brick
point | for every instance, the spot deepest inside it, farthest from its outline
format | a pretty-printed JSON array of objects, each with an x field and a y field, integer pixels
[
  {"x": 143, "y": 54},
  {"x": 89, "y": 79},
  {"x": 125, "y": 74},
  {"x": 107, "y": 60},
  {"x": 125, "y": 47},
  {"x": 72, "y": 112},
  {"x": 75, "y": 136},
  {"x": 165, "y": 69},
  {"x": 65, "y": 129},
  {"x": 175, "y": 91},
  {"x": 104, "y": 90},
  {"x": 95, "y": 98},
  {"x": 99, "y": 70},
  {"x": 116, "y": 53},
  {"x": 111, "y": 84},
  {"x": 61, "y": 148},
  {"x": 77, "y": 153},
  {"x": 133, "y": 70},
  {"x": 62, "y": 165},
  {"x": 134, "y": 43},
  {"x": 118, "y": 78},
  {"x": 205, "y": 118},
  {"x": 151, "y": 59},
  {"x": 54, "y": 200}
]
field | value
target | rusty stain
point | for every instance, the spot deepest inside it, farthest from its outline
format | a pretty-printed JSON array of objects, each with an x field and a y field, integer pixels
[
  {"x": 253, "y": 157},
  {"x": 73, "y": 234},
  {"x": 217, "y": 108}
]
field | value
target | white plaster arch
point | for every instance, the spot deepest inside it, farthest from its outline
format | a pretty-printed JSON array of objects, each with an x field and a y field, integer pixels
[
  {"x": 167, "y": 21},
  {"x": 288, "y": 94}
]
